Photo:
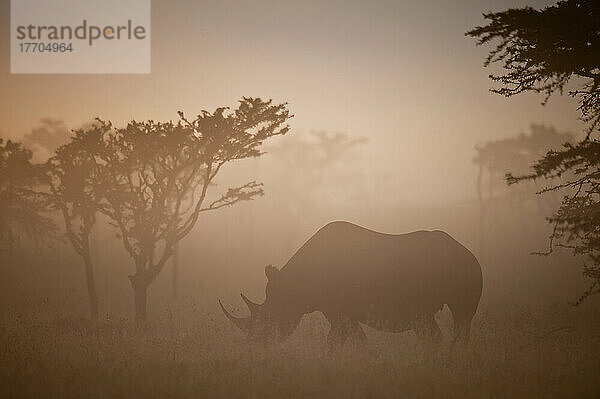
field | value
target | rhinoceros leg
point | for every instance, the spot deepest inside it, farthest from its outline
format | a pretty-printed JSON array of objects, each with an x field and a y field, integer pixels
[
  {"x": 462, "y": 329},
  {"x": 341, "y": 329},
  {"x": 426, "y": 327},
  {"x": 462, "y": 315}
]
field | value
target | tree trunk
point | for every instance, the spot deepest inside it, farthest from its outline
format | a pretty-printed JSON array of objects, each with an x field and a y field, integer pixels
[
  {"x": 481, "y": 210},
  {"x": 91, "y": 287},
  {"x": 140, "y": 283},
  {"x": 146, "y": 273},
  {"x": 140, "y": 299},
  {"x": 174, "y": 275}
]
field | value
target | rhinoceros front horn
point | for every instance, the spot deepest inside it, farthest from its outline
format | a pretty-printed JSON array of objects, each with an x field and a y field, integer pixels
[
  {"x": 254, "y": 307},
  {"x": 243, "y": 323}
]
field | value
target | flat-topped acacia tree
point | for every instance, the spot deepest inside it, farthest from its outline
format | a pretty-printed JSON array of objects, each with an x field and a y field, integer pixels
[
  {"x": 73, "y": 177},
  {"x": 157, "y": 178},
  {"x": 22, "y": 211}
]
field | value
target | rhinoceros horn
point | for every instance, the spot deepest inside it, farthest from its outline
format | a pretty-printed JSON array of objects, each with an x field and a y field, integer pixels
[
  {"x": 254, "y": 307},
  {"x": 243, "y": 323}
]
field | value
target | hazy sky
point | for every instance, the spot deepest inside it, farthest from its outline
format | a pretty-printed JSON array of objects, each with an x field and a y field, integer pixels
[{"x": 401, "y": 73}]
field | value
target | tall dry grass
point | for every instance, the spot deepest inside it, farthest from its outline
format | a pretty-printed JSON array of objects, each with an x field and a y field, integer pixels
[{"x": 514, "y": 353}]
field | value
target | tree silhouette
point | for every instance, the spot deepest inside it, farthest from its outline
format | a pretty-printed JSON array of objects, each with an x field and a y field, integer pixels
[
  {"x": 496, "y": 158},
  {"x": 541, "y": 51},
  {"x": 310, "y": 157},
  {"x": 22, "y": 211},
  {"x": 73, "y": 177},
  {"x": 157, "y": 176}
]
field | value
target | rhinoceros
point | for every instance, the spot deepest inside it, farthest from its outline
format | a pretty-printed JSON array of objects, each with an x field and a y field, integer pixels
[{"x": 353, "y": 275}]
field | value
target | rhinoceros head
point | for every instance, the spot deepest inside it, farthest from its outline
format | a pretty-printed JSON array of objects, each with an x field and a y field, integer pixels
[{"x": 271, "y": 319}]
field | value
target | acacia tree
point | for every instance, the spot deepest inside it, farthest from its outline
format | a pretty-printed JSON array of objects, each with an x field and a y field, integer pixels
[
  {"x": 496, "y": 158},
  {"x": 157, "y": 178},
  {"x": 312, "y": 156},
  {"x": 542, "y": 51},
  {"x": 73, "y": 174},
  {"x": 22, "y": 211}
]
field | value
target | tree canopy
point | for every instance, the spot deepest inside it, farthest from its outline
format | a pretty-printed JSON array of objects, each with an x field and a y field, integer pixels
[
  {"x": 73, "y": 178},
  {"x": 22, "y": 213},
  {"x": 156, "y": 177},
  {"x": 541, "y": 51},
  {"x": 518, "y": 152}
]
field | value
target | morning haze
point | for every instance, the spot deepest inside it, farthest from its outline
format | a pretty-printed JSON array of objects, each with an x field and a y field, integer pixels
[
  {"x": 127, "y": 239},
  {"x": 401, "y": 73}
]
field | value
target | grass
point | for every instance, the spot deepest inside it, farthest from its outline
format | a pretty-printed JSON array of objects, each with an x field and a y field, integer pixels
[{"x": 518, "y": 355}]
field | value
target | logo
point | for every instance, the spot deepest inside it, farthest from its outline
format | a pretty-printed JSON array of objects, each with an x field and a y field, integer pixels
[{"x": 74, "y": 36}]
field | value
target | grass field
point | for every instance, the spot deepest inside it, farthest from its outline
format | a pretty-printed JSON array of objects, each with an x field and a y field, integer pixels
[{"x": 518, "y": 355}]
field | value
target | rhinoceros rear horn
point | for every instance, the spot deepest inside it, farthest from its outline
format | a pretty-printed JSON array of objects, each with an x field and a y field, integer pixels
[
  {"x": 254, "y": 307},
  {"x": 243, "y": 323}
]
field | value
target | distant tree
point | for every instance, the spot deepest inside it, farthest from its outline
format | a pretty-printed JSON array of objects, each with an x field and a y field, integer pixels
[
  {"x": 311, "y": 157},
  {"x": 517, "y": 153},
  {"x": 498, "y": 157},
  {"x": 157, "y": 179},
  {"x": 320, "y": 148},
  {"x": 73, "y": 177},
  {"x": 541, "y": 51},
  {"x": 22, "y": 211}
]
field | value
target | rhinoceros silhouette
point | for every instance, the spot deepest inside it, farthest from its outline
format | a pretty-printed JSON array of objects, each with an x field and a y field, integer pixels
[{"x": 353, "y": 275}]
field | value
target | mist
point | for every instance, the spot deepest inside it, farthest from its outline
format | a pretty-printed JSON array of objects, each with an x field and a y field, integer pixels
[{"x": 378, "y": 114}]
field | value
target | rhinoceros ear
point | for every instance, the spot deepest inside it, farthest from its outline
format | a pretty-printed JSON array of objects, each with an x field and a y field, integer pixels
[{"x": 271, "y": 272}]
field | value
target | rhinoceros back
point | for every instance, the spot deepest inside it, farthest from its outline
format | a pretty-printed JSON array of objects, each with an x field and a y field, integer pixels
[{"x": 349, "y": 268}]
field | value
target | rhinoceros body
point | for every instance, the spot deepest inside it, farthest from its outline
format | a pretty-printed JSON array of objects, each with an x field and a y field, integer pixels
[{"x": 392, "y": 282}]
